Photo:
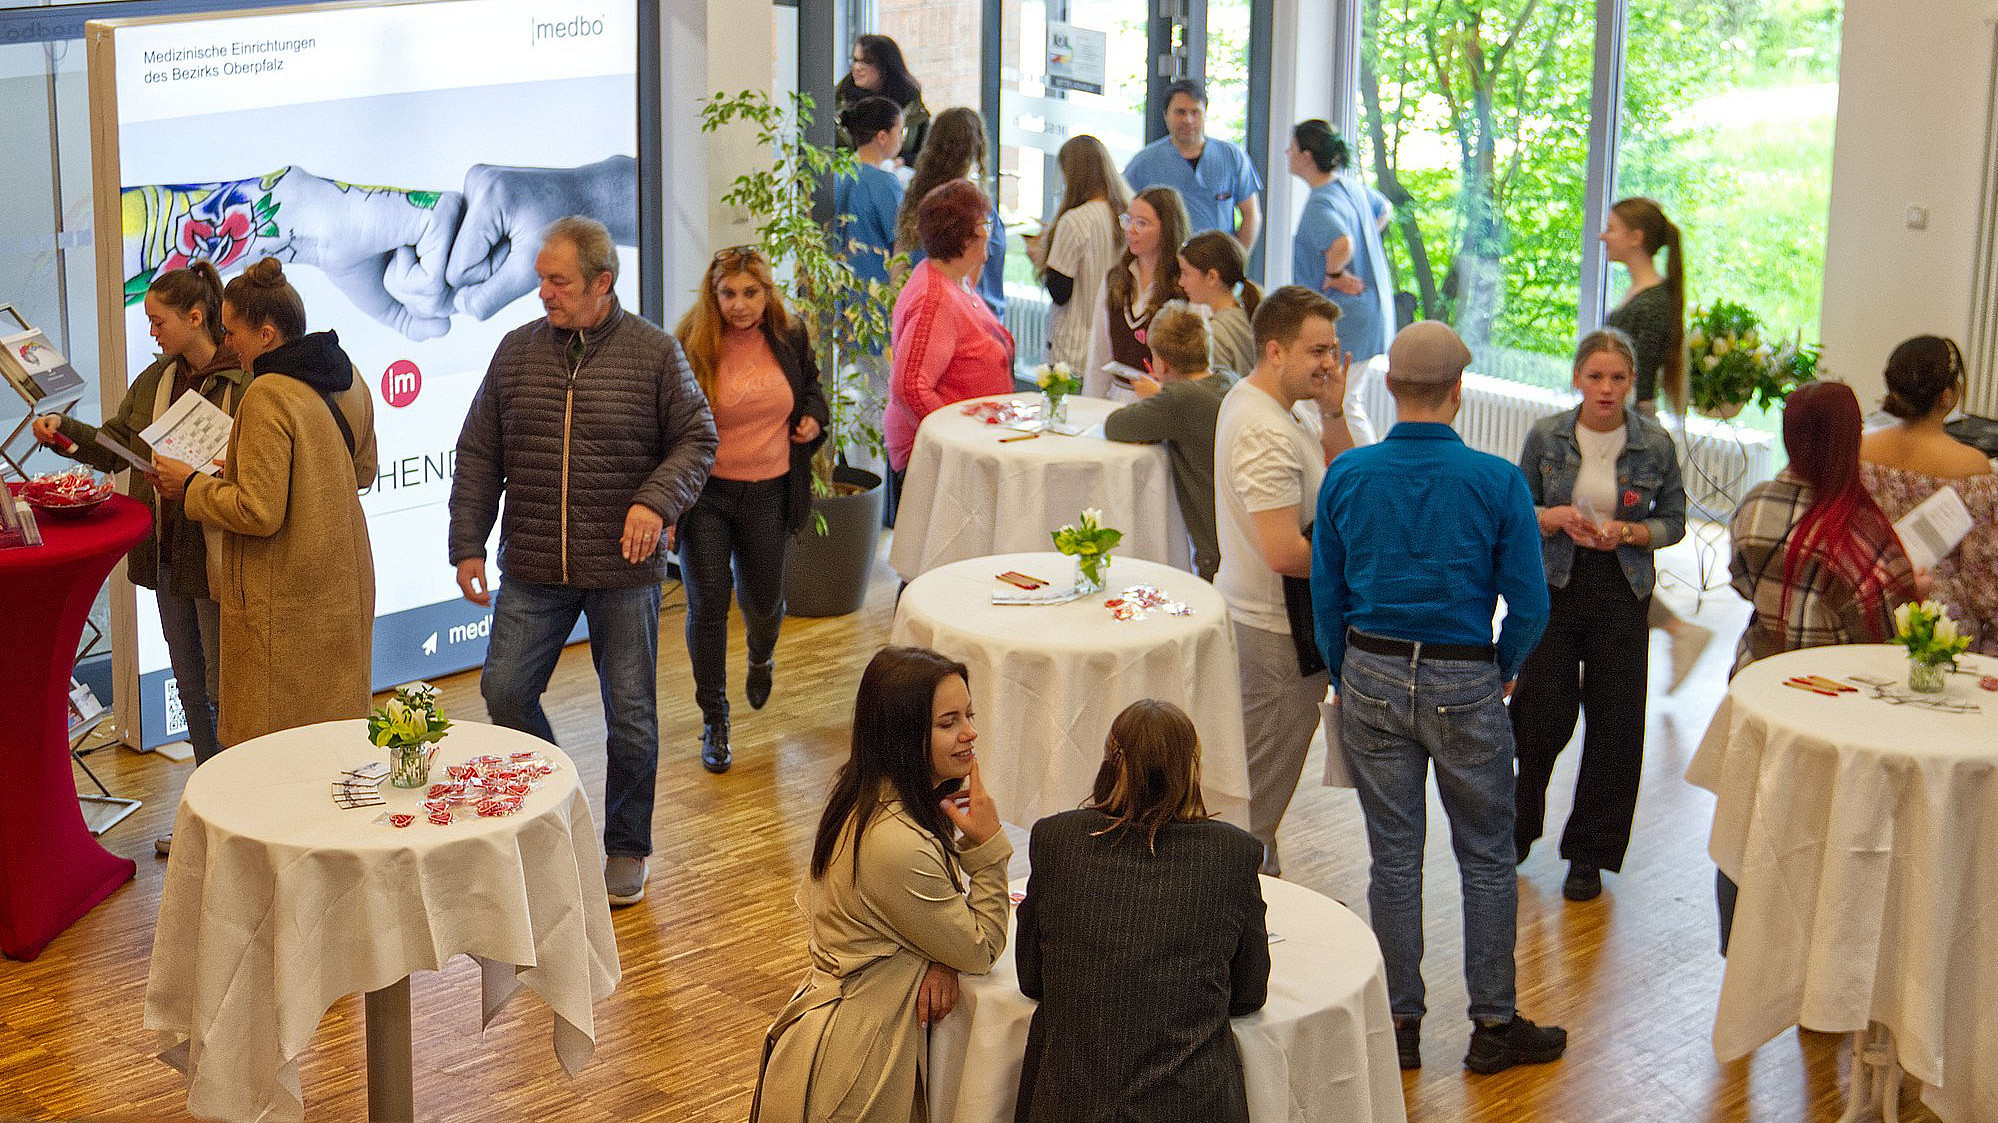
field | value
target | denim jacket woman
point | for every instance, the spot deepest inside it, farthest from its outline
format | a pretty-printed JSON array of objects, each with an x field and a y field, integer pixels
[{"x": 1648, "y": 490}]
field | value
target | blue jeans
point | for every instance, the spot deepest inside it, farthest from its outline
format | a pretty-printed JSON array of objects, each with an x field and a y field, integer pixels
[
  {"x": 530, "y": 624},
  {"x": 1396, "y": 716},
  {"x": 192, "y": 628}
]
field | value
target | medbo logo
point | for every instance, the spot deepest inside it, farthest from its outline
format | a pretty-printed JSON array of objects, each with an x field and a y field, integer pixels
[{"x": 401, "y": 382}]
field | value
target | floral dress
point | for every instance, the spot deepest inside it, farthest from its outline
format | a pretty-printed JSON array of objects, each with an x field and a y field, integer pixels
[{"x": 1966, "y": 580}]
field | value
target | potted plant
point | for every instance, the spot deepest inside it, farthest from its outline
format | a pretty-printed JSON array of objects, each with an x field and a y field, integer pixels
[
  {"x": 1730, "y": 361},
  {"x": 848, "y": 318},
  {"x": 406, "y": 726},
  {"x": 1089, "y": 542},
  {"x": 1933, "y": 641}
]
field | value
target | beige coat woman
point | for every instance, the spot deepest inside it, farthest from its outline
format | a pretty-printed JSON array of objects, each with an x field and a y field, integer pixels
[
  {"x": 848, "y": 1046},
  {"x": 292, "y": 567}
]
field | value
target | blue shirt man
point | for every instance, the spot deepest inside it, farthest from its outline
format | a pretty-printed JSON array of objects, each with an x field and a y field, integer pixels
[
  {"x": 1214, "y": 178},
  {"x": 1416, "y": 539}
]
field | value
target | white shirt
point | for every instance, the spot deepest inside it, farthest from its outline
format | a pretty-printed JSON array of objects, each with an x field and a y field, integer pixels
[
  {"x": 1266, "y": 457},
  {"x": 1084, "y": 248},
  {"x": 1595, "y": 485}
]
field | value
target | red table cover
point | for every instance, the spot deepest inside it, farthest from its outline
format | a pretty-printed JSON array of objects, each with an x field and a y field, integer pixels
[{"x": 51, "y": 870}]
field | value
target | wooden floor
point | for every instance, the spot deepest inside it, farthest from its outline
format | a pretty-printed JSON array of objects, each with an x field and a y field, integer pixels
[{"x": 717, "y": 945}]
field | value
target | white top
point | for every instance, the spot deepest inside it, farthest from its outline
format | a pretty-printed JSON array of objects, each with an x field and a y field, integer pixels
[
  {"x": 1595, "y": 485},
  {"x": 277, "y": 903},
  {"x": 1085, "y": 246},
  {"x": 1322, "y": 1046},
  {"x": 1047, "y": 680},
  {"x": 971, "y": 492},
  {"x": 1859, "y": 829},
  {"x": 1266, "y": 457}
]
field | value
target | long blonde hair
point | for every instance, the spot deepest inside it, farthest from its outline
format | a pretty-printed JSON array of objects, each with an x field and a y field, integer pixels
[{"x": 700, "y": 330}]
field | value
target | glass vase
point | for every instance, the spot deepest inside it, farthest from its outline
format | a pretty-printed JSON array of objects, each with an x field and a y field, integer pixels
[
  {"x": 409, "y": 765},
  {"x": 1091, "y": 571},
  {"x": 1927, "y": 678},
  {"x": 1054, "y": 408}
]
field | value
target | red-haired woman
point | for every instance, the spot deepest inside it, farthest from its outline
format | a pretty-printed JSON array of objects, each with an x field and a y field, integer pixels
[
  {"x": 947, "y": 344},
  {"x": 1813, "y": 553},
  {"x": 755, "y": 364}
]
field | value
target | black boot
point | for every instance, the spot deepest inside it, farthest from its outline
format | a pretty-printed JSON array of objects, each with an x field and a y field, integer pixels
[
  {"x": 757, "y": 683},
  {"x": 714, "y": 747}
]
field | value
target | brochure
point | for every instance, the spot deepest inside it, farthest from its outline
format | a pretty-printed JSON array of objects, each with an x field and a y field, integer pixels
[
  {"x": 192, "y": 430},
  {"x": 1934, "y": 527}
]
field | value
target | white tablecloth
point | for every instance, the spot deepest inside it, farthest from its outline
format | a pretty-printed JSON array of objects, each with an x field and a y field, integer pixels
[
  {"x": 1047, "y": 680},
  {"x": 1864, "y": 837},
  {"x": 277, "y": 903},
  {"x": 967, "y": 495},
  {"x": 1320, "y": 1051}
]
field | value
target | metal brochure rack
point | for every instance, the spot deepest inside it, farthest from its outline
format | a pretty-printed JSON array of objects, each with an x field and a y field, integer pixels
[{"x": 43, "y": 378}]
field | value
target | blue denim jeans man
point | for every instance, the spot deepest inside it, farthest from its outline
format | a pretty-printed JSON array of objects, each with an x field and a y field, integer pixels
[
  {"x": 1397, "y": 716},
  {"x": 530, "y": 625}
]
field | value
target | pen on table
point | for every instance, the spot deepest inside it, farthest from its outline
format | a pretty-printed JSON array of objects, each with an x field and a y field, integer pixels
[
  {"x": 1021, "y": 437},
  {"x": 1795, "y": 685}
]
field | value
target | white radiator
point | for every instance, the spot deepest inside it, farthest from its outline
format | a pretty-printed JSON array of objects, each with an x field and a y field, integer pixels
[
  {"x": 1027, "y": 318},
  {"x": 1720, "y": 462}
]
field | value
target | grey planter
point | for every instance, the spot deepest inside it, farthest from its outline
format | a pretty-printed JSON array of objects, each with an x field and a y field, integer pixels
[{"x": 828, "y": 573}]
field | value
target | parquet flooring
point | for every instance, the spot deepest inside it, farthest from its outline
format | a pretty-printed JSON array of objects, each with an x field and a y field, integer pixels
[{"x": 717, "y": 945}]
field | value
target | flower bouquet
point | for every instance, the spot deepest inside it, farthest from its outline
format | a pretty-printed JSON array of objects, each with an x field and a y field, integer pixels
[
  {"x": 1933, "y": 642},
  {"x": 1731, "y": 362},
  {"x": 1057, "y": 382},
  {"x": 1089, "y": 542},
  {"x": 409, "y": 722}
]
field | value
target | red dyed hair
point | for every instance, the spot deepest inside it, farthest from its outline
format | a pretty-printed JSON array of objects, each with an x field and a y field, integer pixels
[{"x": 1843, "y": 528}]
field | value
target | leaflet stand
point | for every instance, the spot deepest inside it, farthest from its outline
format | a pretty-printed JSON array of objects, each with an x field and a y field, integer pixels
[{"x": 41, "y": 376}]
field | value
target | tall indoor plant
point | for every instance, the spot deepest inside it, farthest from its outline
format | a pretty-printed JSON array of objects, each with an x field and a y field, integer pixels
[{"x": 848, "y": 318}]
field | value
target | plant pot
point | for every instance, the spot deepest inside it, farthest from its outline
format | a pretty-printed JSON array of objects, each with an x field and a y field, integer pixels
[
  {"x": 1724, "y": 412},
  {"x": 1927, "y": 678},
  {"x": 828, "y": 573}
]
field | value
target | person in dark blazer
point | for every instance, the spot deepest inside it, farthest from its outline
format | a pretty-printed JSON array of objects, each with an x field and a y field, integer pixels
[
  {"x": 755, "y": 364},
  {"x": 1141, "y": 934}
]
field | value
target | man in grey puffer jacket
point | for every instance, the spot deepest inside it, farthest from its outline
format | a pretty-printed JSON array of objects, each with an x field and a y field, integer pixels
[{"x": 591, "y": 424}]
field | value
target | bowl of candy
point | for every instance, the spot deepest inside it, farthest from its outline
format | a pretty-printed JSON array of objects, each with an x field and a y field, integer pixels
[{"x": 67, "y": 495}]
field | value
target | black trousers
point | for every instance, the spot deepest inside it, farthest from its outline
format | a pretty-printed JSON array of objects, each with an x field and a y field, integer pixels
[
  {"x": 733, "y": 535},
  {"x": 1591, "y": 662}
]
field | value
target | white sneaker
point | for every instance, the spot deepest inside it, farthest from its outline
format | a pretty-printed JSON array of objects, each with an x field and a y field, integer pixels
[{"x": 1689, "y": 642}]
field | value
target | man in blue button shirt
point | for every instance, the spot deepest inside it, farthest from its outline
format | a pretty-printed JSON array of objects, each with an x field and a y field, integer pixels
[
  {"x": 1416, "y": 539},
  {"x": 1215, "y": 178}
]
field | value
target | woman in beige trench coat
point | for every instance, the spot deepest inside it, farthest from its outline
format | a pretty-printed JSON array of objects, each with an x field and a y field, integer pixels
[
  {"x": 892, "y": 923},
  {"x": 291, "y": 565}
]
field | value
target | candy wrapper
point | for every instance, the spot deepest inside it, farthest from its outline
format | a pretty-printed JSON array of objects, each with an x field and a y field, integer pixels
[
  {"x": 486, "y": 786},
  {"x": 396, "y": 819},
  {"x": 1138, "y": 601},
  {"x": 1004, "y": 412}
]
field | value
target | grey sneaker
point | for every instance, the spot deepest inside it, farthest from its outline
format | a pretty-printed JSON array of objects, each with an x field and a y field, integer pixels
[{"x": 624, "y": 880}]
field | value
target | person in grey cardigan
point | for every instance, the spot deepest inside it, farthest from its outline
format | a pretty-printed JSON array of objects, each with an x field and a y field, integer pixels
[
  {"x": 1141, "y": 934},
  {"x": 1179, "y": 405},
  {"x": 591, "y": 425}
]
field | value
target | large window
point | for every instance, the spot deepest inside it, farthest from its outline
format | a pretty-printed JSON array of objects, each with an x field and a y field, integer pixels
[
  {"x": 1475, "y": 120},
  {"x": 1727, "y": 122}
]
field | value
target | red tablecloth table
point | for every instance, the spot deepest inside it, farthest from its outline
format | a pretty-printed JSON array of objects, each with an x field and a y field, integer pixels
[{"x": 51, "y": 870}]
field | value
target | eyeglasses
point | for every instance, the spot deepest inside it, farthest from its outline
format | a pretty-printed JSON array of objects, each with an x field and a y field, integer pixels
[
  {"x": 745, "y": 253},
  {"x": 1129, "y": 222}
]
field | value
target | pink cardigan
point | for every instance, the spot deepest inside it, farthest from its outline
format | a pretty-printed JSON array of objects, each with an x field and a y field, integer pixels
[{"x": 947, "y": 347}]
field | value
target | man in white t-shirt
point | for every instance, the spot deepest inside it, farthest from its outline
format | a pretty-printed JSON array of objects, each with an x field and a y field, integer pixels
[{"x": 1269, "y": 457}]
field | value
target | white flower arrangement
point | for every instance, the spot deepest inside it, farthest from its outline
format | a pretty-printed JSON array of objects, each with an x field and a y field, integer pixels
[{"x": 1929, "y": 634}]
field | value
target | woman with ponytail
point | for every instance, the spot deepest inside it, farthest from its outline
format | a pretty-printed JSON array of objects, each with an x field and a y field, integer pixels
[
  {"x": 184, "y": 311},
  {"x": 1212, "y": 265},
  {"x": 1653, "y": 310},
  {"x": 1653, "y": 314},
  {"x": 1337, "y": 250},
  {"x": 1813, "y": 553}
]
